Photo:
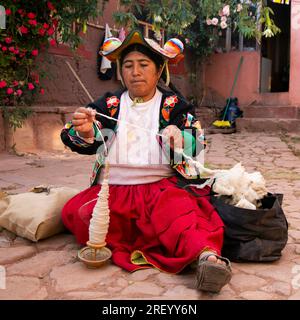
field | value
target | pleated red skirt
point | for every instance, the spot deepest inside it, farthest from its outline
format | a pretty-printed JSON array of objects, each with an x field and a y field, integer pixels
[{"x": 155, "y": 224}]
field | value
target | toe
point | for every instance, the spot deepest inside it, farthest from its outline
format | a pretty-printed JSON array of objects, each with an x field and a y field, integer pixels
[{"x": 212, "y": 258}]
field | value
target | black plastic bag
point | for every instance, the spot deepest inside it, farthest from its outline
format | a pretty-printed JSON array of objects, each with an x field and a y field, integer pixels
[{"x": 253, "y": 235}]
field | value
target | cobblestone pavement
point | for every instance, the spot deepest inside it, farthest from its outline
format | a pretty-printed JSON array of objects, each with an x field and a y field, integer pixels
[{"x": 49, "y": 269}]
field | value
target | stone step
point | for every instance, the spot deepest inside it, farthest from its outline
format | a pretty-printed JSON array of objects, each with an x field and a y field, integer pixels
[
  {"x": 277, "y": 112},
  {"x": 267, "y": 125}
]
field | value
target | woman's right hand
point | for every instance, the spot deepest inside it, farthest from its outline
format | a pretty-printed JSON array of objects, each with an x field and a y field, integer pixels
[{"x": 82, "y": 120}]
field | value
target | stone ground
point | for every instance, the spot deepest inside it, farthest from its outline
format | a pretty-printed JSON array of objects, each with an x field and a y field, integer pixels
[{"x": 49, "y": 269}]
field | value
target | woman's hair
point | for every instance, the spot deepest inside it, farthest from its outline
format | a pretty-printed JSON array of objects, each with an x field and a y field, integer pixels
[{"x": 157, "y": 59}]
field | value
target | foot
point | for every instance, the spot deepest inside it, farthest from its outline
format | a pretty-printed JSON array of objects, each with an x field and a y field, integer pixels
[
  {"x": 213, "y": 272},
  {"x": 214, "y": 258}
]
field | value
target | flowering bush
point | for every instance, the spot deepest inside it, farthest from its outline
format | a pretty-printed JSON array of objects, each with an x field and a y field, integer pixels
[
  {"x": 200, "y": 21},
  {"x": 31, "y": 27}
]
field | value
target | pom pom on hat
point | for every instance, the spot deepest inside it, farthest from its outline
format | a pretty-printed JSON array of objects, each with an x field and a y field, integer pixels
[
  {"x": 174, "y": 46},
  {"x": 110, "y": 45}
]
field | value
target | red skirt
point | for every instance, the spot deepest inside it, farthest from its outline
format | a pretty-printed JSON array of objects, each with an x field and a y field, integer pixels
[{"x": 155, "y": 224}]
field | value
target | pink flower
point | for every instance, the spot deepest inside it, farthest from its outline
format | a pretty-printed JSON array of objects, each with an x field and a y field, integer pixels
[
  {"x": 16, "y": 51},
  {"x": 15, "y": 83},
  {"x": 4, "y": 48},
  {"x": 52, "y": 42},
  {"x": 42, "y": 91},
  {"x": 224, "y": 19},
  {"x": 35, "y": 52},
  {"x": 3, "y": 84},
  {"x": 46, "y": 26},
  {"x": 208, "y": 22},
  {"x": 32, "y": 22},
  {"x": 31, "y": 15},
  {"x": 19, "y": 92},
  {"x": 223, "y": 25},
  {"x": 9, "y": 91},
  {"x": 23, "y": 30},
  {"x": 239, "y": 7},
  {"x": 11, "y": 49},
  {"x": 214, "y": 21},
  {"x": 30, "y": 86},
  {"x": 50, "y": 31},
  {"x": 8, "y": 12},
  {"x": 226, "y": 10},
  {"x": 8, "y": 40}
]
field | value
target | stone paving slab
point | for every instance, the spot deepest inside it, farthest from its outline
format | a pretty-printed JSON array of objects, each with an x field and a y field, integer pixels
[{"x": 49, "y": 269}]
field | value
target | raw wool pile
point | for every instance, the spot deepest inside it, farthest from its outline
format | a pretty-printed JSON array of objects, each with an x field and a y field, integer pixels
[{"x": 243, "y": 189}]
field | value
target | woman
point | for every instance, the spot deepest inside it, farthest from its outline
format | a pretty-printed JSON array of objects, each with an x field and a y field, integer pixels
[{"x": 153, "y": 222}]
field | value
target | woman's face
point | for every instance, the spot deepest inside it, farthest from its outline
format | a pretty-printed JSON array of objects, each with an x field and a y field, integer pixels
[{"x": 140, "y": 75}]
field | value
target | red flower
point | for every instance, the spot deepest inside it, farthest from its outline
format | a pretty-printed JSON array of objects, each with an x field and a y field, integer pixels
[
  {"x": 15, "y": 83},
  {"x": 50, "y": 6},
  {"x": 32, "y": 22},
  {"x": 31, "y": 15},
  {"x": 42, "y": 91},
  {"x": 9, "y": 91},
  {"x": 35, "y": 52},
  {"x": 52, "y": 42},
  {"x": 3, "y": 84},
  {"x": 46, "y": 26},
  {"x": 8, "y": 40},
  {"x": 23, "y": 30},
  {"x": 4, "y": 48},
  {"x": 30, "y": 86},
  {"x": 16, "y": 51},
  {"x": 19, "y": 92},
  {"x": 42, "y": 32},
  {"x": 8, "y": 12},
  {"x": 55, "y": 22},
  {"x": 50, "y": 31},
  {"x": 11, "y": 49}
]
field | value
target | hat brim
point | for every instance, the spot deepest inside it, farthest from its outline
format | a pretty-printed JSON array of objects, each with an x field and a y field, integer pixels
[{"x": 136, "y": 37}]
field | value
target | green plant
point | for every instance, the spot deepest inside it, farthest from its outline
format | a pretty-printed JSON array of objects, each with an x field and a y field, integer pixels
[
  {"x": 31, "y": 27},
  {"x": 199, "y": 22}
]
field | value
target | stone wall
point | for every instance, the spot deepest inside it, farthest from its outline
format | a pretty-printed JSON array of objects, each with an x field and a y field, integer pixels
[{"x": 41, "y": 131}]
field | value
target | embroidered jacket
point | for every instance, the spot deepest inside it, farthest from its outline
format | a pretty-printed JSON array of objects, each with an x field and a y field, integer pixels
[{"x": 173, "y": 111}]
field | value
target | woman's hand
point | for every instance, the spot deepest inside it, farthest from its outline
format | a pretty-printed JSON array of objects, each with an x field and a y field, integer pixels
[
  {"x": 82, "y": 120},
  {"x": 174, "y": 135}
]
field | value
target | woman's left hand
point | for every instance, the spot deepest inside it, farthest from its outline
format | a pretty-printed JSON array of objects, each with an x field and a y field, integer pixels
[{"x": 174, "y": 135}]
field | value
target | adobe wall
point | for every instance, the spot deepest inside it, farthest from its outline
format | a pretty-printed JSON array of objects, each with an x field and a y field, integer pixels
[
  {"x": 219, "y": 75},
  {"x": 295, "y": 54}
]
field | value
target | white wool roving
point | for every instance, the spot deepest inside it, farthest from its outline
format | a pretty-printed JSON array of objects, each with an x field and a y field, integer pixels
[{"x": 245, "y": 188}]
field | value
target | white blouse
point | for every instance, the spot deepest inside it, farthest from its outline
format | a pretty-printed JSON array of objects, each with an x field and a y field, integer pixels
[{"x": 135, "y": 156}]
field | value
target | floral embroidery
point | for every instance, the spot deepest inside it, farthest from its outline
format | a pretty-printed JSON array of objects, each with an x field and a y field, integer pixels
[
  {"x": 112, "y": 105},
  {"x": 169, "y": 104}
]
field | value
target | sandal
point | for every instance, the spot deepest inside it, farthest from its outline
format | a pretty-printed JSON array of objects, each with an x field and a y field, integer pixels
[{"x": 212, "y": 276}]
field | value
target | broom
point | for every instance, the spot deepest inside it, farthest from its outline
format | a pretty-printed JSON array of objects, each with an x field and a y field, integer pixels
[{"x": 222, "y": 123}]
